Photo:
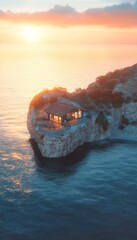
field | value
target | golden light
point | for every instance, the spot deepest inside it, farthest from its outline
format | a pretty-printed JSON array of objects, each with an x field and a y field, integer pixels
[{"x": 30, "y": 33}]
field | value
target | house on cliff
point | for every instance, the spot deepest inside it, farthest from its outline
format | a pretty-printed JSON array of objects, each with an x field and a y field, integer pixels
[{"x": 60, "y": 112}]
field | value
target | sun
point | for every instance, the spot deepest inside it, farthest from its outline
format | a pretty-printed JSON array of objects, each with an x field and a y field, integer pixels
[{"x": 30, "y": 33}]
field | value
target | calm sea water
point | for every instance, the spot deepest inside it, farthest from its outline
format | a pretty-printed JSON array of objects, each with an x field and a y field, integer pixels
[{"x": 89, "y": 195}]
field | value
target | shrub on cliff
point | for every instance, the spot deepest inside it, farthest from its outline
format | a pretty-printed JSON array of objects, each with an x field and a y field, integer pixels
[
  {"x": 101, "y": 96},
  {"x": 124, "y": 122},
  {"x": 117, "y": 99},
  {"x": 102, "y": 121},
  {"x": 81, "y": 96},
  {"x": 53, "y": 99},
  {"x": 37, "y": 102}
]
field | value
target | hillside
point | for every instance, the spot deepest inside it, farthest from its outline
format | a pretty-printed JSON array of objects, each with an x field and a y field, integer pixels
[
  {"x": 110, "y": 111},
  {"x": 115, "y": 88},
  {"x": 110, "y": 90}
]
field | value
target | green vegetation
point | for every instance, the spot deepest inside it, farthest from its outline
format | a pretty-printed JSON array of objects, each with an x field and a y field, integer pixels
[
  {"x": 37, "y": 102},
  {"x": 99, "y": 94}
]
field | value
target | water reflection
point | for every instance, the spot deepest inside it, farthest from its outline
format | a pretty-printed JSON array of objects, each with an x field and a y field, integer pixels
[
  {"x": 65, "y": 166},
  {"x": 54, "y": 168},
  {"x": 16, "y": 168},
  {"x": 16, "y": 156},
  {"x": 60, "y": 167}
]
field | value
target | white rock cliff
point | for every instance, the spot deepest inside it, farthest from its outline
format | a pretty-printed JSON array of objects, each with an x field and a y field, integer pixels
[
  {"x": 59, "y": 143},
  {"x": 120, "y": 122}
]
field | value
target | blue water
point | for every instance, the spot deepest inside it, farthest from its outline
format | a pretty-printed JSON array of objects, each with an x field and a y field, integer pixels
[{"x": 90, "y": 195}]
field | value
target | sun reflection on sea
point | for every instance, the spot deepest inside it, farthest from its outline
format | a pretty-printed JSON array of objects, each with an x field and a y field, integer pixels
[
  {"x": 16, "y": 184},
  {"x": 16, "y": 156},
  {"x": 16, "y": 168}
]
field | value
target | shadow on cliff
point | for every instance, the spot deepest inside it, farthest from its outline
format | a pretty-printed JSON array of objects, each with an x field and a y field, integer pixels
[
  {"x": 65, "y": 166},
  {"x": 62, "y": 167}
]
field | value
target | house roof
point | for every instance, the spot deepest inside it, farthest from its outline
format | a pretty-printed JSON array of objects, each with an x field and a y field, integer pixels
[{"x": 60, "y": 109}]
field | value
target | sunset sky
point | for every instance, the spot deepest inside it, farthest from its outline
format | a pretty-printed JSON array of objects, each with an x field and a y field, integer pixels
[{"x": 71, "y": 22}]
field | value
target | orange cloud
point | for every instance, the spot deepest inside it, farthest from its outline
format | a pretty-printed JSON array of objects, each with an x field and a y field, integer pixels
[{"x": 117, "y": 16}]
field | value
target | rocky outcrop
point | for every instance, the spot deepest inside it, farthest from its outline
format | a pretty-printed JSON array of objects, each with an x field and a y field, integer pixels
[
  {"x": 61, "y": 142},
  {"x": 118, "y": 119}
]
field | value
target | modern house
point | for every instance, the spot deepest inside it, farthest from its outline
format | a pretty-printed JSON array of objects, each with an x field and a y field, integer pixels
[{"x": 60, "y": 112}]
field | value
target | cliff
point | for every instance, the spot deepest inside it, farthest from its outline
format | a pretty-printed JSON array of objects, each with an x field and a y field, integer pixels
[{"x": 113, "y": 118}]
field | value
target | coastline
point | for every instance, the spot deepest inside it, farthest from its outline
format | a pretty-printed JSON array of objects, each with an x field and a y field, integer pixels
[{"x": 60, "y": 143}]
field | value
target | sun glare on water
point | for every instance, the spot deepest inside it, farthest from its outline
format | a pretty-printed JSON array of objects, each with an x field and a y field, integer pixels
[{"x": 30, "y": 33}]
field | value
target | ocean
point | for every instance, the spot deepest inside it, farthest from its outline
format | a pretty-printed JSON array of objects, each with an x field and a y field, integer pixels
[{"x": 91, "y": 194}]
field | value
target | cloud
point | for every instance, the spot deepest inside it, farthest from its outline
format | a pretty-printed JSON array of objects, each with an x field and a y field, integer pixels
[
  {"x": 58, "y": 9},
  {"x": 119, "y": 16},
  {"x": 122, "y": 16},
  {"x": 122, "y": 6},
  {"x": 1, "y": 13}
]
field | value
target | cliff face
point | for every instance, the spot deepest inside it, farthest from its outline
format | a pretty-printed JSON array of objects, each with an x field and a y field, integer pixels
[
  {"x": 64, "y": 142},
  {"x": 59, "y": 143},
  {"x": 56, "y": 140}
]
